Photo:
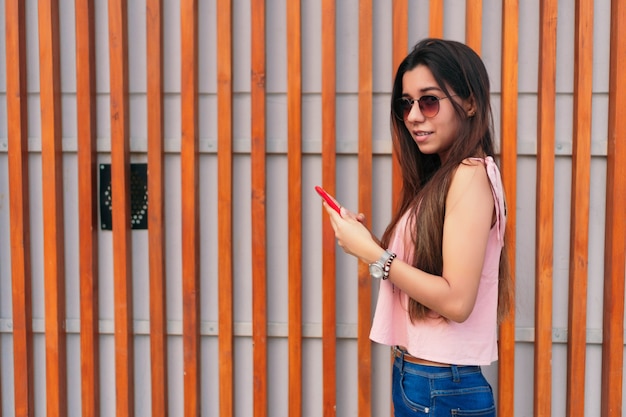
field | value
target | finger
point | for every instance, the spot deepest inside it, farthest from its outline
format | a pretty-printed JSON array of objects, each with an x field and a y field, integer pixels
[
  {"x": 328, "y": 208},
  {"x": 333, "y": 216}
]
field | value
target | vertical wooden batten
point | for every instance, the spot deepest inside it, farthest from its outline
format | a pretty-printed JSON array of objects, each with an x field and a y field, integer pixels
[
  {"x": 189, "y": 209},
  {"x": 435, "y": 20},
  {"x": 579, "y": 219},
  {"x": 400, "y": 32},
  {"x": 88, "y": 199},
  {"x": 19, "y": 207},
  {"x": 120, "y": 192},
  {"x": 156, "y": 224},
  {"x": 225, "y": 203},
  {"x": 294, "y": 186},
  {"x": 52, "y": 198},
  {"x": 258, "y": 209},
  {"x": 546, "y": 97},
  {"x": 474, "y": 24},
  {"x": 615, "y": 229},
  {"x": 364, "y": 345},
  {"x": 329, "y": 293},
  {"x": 508, "y": 161},
  {"x": 400, "y": 50}
]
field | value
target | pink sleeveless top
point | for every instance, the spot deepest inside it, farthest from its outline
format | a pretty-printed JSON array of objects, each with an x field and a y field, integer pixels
[{"x": 473, "y": 342}]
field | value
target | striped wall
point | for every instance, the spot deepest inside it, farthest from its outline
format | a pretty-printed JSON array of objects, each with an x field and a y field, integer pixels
[{"x": 236, "y": 301}]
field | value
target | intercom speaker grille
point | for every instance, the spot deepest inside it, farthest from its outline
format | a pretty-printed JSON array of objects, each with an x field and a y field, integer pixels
[{"x": 138, "y": 197}]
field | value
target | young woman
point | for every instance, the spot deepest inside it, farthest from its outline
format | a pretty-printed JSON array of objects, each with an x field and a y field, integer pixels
[{"x": 444, "y": 278}]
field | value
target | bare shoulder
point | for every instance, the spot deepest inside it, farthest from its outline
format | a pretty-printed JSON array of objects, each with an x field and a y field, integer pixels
[
  {"x": 471, "y": 170},
  {"x": 470, "y": 179}
]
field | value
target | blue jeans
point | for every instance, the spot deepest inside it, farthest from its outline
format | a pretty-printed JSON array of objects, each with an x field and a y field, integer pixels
[{"x": 421, "y": 390}]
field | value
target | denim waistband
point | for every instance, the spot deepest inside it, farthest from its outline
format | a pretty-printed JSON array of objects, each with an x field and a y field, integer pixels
[{"x": 450, "y": 371}]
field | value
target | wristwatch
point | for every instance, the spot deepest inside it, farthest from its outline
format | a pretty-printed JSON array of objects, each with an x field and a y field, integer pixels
[{"x": 380, "y": 268}]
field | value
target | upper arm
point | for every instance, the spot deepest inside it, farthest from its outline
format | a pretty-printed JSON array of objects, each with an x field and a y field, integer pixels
[{"x": 468, "y": 219}]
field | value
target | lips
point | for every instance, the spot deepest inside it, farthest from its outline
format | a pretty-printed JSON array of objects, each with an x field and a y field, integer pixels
[{"x": 421, "y": 135}]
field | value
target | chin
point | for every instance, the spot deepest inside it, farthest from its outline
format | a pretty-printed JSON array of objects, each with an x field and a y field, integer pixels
[{"x": 427, "y": 150}]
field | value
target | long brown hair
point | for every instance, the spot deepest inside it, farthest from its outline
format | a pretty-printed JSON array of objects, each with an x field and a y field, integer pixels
[{"x": 458, "y": 70}]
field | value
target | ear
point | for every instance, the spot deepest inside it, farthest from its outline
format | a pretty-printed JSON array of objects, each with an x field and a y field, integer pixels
[{"x": 469, "y": 105}]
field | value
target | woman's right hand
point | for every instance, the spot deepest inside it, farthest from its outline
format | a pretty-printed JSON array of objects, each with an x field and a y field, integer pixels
[{"x": 352, "y": 235}]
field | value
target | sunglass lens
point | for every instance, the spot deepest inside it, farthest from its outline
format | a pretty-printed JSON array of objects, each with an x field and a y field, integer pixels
[
  {"x": 429, "y": 105},
  {"x": 407, "y": 105},
  {"x": 402, "y": 108}
]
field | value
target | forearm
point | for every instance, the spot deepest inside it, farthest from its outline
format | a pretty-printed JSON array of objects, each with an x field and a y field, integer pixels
[{"x": 433, "y": 291}]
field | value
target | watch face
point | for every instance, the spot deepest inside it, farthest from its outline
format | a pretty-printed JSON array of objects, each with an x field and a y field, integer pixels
[{"x": 376, "y": 271}]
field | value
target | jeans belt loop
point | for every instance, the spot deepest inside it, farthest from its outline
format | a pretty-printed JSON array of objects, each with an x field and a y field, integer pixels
[
  {"x": 399, "y": 353},
  {"x": 456, "y": 377}
]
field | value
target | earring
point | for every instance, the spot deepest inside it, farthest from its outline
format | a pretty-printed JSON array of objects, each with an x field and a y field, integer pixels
[{"x": 471, "y": 114}]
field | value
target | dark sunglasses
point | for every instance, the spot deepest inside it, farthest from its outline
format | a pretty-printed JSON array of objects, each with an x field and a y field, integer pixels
[{"x": 429, "y": 106}]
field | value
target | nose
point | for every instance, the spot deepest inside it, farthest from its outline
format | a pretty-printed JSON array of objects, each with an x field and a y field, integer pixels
[{"x": 415, "y": 113}]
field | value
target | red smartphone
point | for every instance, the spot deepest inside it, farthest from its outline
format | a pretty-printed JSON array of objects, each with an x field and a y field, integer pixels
[{"x": 327, "y": 198}]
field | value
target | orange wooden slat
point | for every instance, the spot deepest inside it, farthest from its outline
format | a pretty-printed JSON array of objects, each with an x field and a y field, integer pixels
[
  {"x": 545, "y": 209},
  {"x": 120, "y": 192},
  {"x": 400, "y": 32},
  {"x": 329, "y": 294},
  {"x": 364, "y": 345},
  {"x": 17, "y": 132},
  {"x": 400, "y": 50},
  {"x": 225, "y": 202},
  {"x": 579, "y": 219},
  {"x": 508, "y": 155},
  {"x": 615, "y": 229},
  {"x": 474, "y": 24},
  {"x": 435, "y": 18},
  {"x": 156, "y": 225},
  {"x": 52, "y": 200},
  {"x": 258, "y": 208},
  {"x": 294, "y": 186},
  {"x": 189, "y": 209},
  {"x": 87, "y": 199}
]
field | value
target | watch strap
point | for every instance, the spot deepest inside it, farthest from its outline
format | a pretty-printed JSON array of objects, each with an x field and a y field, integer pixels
[{"x": 384, "y": 264}]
